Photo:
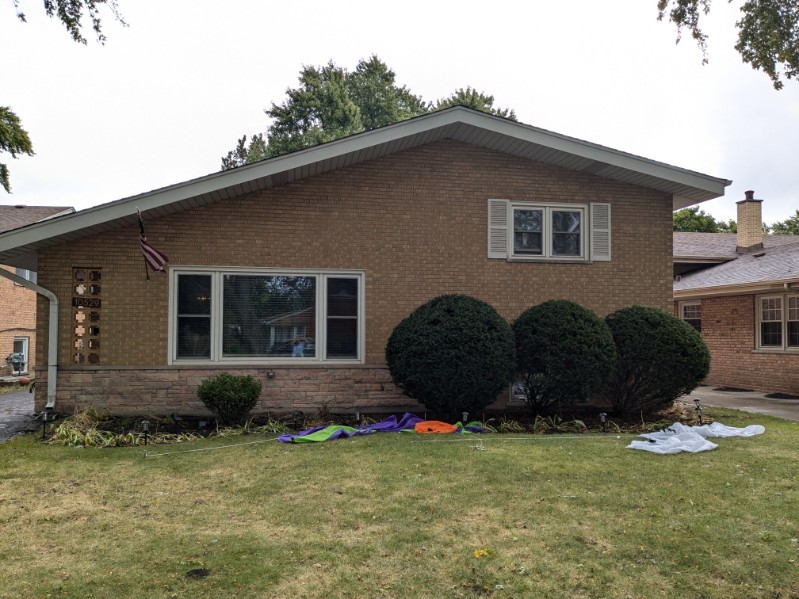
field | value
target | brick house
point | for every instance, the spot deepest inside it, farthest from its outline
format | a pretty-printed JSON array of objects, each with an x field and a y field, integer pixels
[
  {"x": 742, "y": 292},
  {"x": 18, "y": 303},
  {"x": 341, "y": 241}
]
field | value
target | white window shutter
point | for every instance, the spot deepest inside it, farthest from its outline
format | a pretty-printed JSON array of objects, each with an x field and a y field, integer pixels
[
  {"x": 498, "y": 228},
  {"x": 600, "y": 232}
]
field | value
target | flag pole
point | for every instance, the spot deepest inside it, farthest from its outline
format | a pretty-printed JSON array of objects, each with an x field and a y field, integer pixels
[{"x": 141, "y": 234}]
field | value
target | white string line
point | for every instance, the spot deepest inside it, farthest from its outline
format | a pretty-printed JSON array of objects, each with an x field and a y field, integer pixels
[
  {"x": 155, "y": 455},
  {"x": 530, "y": 438}
]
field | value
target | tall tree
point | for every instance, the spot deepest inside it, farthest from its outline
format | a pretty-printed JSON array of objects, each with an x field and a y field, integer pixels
[
  {"x": 471, "y": 98},
  {"x": 694, "y": 220},
  {"x": 13, "y": 138},
  {"x": 331, "y": 102},
  {"x": 789, "y": 226},
  {"x": 768, "y": 32}
]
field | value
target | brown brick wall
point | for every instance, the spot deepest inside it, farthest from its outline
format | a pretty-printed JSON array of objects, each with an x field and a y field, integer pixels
[
  {"x": 17, "y": 319},
  {"x": 728, "y": 328},
  {"x": 415, "y": 222}
]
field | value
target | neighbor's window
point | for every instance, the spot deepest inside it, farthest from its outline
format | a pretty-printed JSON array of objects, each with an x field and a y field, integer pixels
[
  {"x": 267, "y": 316},
  {"x": 778, "y": 321},
  {"x": 691, "y": 312},
  {"x": 548, "y": 232}
]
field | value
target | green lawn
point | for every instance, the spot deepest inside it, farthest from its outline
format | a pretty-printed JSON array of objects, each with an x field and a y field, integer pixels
[{"x": 390, "y": 516}]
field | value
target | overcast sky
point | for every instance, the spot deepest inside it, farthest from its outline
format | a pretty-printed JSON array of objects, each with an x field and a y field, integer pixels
[{"x": 167, "y": 96}]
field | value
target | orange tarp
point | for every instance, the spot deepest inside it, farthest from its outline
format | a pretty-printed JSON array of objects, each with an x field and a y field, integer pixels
[{"x": 434, "y": 426}]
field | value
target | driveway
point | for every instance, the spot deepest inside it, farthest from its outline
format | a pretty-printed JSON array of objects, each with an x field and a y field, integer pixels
[
  {"x": 16, "y": 414},
  {"x": 748, "y": 401}
]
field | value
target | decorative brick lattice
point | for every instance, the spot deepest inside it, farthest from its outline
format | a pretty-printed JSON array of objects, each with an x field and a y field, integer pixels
[{"x": 86, "y": 306}]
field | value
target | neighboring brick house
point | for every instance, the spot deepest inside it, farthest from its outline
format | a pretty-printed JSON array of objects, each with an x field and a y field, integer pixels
[
  {"x": 17, "y": 303},
  {"x": 742, "y": 292},
  {"x": 338, "y": 243}
]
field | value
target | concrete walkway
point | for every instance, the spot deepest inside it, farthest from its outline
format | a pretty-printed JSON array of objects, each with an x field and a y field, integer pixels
[
  {"x": 748, "y": 401},
  {"x": 16, "y": 414}
]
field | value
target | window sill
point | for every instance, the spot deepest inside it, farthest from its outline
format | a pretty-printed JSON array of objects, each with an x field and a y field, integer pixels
[
  {"x": 548, "y": 259},
  {"x": 777, "y": 350}
]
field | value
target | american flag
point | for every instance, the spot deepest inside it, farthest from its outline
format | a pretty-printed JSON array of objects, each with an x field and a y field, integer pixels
[{"x": 154, "y": 259}]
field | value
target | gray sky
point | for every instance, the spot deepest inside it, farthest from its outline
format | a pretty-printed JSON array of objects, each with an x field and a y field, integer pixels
[{"x": 166, "y": 97}]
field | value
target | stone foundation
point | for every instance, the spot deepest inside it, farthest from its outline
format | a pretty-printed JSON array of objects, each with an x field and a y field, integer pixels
[{"x": 158, "y": 391}]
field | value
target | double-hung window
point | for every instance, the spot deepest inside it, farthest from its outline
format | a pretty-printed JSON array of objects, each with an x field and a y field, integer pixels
[
  {"x": 565, "y": 232},
  {"x": 778, "y": 322},
  {"x": 691, "y": 312},
  {"x": 253, "y": 315}
]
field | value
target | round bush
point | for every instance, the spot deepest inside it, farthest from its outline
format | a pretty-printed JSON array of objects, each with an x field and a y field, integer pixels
[
  {"x": 454, "y": 354},
  {"x": 563, "y": 353},
  {"x": 660, "y": 358},
  {"x": 230, "y": 397}
]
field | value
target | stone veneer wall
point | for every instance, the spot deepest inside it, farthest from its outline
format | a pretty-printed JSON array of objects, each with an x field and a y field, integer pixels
[{"x": 136, "y": 391}]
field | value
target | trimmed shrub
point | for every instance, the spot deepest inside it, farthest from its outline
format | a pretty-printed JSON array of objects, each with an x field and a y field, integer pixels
[
  {"x": 660, "y": 358},
  {"x": 454, "y": 354},
  {"x": 563, "y": 353},
  {"x": 230, "y": 397}
]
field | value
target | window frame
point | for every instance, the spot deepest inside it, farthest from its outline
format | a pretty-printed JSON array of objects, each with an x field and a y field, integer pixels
[
  {"x": 785, "y": 319},
  {"x": 688, "y": 304},
  {"x": 217, "y": 274},
  {"x": 547, "y": 233}
]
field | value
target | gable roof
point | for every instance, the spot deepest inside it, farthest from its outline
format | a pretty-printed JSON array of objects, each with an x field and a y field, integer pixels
[
  {"x": 769, "y": 268},
  {"x": 457, "y": 123},
  {"x": 14, "y": 217}
]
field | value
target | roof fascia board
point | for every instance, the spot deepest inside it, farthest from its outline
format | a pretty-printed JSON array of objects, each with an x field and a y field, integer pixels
[{"x": 744, "y": 289}]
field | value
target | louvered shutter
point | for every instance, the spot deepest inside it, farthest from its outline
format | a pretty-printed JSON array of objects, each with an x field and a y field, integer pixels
[
  {"x": 498, "y": 228},
  {"x": 600, "y": 232}
]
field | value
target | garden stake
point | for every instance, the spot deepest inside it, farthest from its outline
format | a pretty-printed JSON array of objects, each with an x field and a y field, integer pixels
[{"x": 698, "y": 410}]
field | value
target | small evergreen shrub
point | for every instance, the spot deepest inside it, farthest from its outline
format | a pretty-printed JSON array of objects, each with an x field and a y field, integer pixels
[
  {"x": 660, "y": 358},
  {"x": 563, "y": 353},
  {"x": 454, "y": 354},
  {"x": 230, "y": 397}
]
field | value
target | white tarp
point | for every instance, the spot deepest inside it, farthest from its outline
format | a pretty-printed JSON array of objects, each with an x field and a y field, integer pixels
[{"x": 679, "y": 437}]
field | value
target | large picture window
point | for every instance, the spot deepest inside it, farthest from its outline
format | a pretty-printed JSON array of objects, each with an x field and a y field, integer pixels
[
  {"x": 778, "y": 322},
  {"x": 241, "y": 315}
]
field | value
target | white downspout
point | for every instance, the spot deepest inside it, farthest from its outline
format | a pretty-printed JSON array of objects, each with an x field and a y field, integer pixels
[{"x": 52, "y": 332}]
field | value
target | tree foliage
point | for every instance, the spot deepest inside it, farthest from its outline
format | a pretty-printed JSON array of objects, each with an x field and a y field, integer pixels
[
  {"x": 71, "y": 15},
  {"x": 698, "y": 221},
  {"x": 563, "y": 353},
  {"x": 331, "y": 102},
  {"x": 455, "y": 353},
  {"x": 789, "y": 226},
  {"x": 694, "y": 220},
  {"x": 660, "y": 358},
  {"x": 768, "y": 32},
  {"x": 14, "y": 140},
  {"x": 471, "y": 98}
]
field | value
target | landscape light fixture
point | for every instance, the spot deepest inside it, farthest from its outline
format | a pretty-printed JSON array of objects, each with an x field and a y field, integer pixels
[
  {"x": 145, "y": 427},
  {"x": 48, "y": 414},
  {"x": 603, "y": 417},
  {"x": 465, "y": 417},
  {"x": 698, "y": 410}
]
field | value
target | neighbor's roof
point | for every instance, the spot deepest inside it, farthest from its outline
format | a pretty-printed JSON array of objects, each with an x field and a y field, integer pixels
[
  {"x": 14, "y": 217},
  {"x": 457, "y": 123},
  {"x": 769, "y": 268}
]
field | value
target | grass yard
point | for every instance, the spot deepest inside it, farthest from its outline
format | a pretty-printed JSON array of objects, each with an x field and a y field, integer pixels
[{"x": 389, "y": 516}]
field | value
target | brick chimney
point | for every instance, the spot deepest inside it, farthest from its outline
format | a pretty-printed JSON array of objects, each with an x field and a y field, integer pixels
[{"x": 750, "y": 223}]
